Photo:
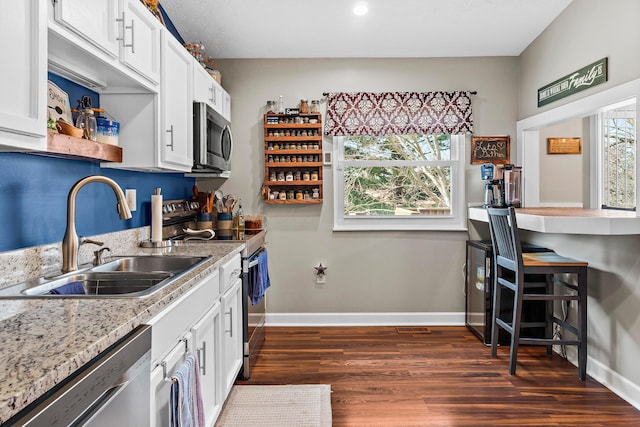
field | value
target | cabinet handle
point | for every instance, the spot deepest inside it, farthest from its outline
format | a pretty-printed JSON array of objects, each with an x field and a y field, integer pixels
[
  {"x": 230, "y": 313},
  {"x": 124, "y": 28},
  {"x": 202, "y": 358},
  {"x": 213, "y": 94},
  {"x": 171, "y": 132},
  {"x": 132, "y": 45}
]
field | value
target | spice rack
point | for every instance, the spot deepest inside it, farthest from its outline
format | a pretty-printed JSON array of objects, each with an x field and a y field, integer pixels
[{"x": 292, "y": 158}]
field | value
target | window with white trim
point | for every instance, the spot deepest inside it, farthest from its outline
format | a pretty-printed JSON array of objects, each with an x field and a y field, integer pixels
[
  {"x": 399, "y": 182},
  {"x": 617, "y": 141}
]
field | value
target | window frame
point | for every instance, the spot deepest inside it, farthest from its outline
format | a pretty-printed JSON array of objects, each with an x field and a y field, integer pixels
[
  {"x": 600, "y": 156},
  {"x": 456, "y": 221}
]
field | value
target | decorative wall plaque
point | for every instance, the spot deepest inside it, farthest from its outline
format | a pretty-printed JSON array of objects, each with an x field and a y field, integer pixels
[
  {"x": 584, "y": 78},
  {"x": 490, "y": 149},
  {"x": 564, "y": 145}
]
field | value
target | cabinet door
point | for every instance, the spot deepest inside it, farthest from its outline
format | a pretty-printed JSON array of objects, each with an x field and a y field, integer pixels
[
  {"x": 206, "y": 338},
  {"x": 176, "y": 105},
  {"x": 232, "y": 341},
  {"x": 140, "y": 44},
  {"x": 23, "y": 79},
  {"x": 226, "y": 105},
  {"x": 205, "y": 88},
  {"x": 94, "y": 21},
  {"x": 161, "y": 385}
]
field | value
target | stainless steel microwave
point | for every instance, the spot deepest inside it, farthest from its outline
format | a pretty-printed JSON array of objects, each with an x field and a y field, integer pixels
[{"x": 212, "y": 141}]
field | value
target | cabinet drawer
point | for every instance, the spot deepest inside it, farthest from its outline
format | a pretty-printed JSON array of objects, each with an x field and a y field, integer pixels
[
  {"x": 169, "y": 325},
  {"x": 229, "y": 272}
]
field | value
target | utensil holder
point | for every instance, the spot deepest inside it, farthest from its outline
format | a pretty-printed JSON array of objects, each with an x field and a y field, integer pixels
[{"x": 204, "y": 221}]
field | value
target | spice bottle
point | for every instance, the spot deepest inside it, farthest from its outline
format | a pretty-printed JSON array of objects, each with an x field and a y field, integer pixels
[{"x": 304, "y": 106}]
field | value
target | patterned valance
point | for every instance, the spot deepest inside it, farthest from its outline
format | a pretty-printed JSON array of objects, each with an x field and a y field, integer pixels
[{"x": 389, "y": 113}]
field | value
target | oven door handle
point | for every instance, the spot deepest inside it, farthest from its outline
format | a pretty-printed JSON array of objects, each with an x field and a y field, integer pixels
[{"x": 253, "y": 259}]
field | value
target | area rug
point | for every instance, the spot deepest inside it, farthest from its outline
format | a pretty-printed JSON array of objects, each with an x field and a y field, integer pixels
[{"x": 277, "y": 405}]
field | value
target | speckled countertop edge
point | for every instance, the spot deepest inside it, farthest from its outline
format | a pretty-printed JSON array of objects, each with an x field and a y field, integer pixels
[{"x": 45, "y": 340}]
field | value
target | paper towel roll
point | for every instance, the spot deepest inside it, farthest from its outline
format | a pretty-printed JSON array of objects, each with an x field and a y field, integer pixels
[{"x": 156, "y": 218}]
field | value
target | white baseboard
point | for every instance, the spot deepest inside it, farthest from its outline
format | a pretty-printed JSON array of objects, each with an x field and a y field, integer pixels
[
  {"x": 364, "y": 319},
  {"x": 618, "y": 384}
]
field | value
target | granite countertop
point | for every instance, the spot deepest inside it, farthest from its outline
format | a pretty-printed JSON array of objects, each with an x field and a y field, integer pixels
[{"x": 46, "y": 339}]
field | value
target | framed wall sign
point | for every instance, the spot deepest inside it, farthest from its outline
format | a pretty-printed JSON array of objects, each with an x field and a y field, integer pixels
[
  {"x": 564, "y": 145},
  {"x": 490, "y": 149},
  {"x": 586, "y": 77}
]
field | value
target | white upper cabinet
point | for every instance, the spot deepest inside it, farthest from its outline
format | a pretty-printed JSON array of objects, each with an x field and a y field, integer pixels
[
  {"x": 23, "y": 108},
  {"x": 94, "y": 21},
  {"x": 139, "y": 39},
  {"x": 205, "y": 88},
  {"x": 106, "y": 45},
  {"x": 176, "y": 132},
  {"x": 226, "y": 105}
]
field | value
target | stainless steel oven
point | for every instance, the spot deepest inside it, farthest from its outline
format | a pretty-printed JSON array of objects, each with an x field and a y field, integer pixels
[
  {"x": 254, "y": 315},
  {"x": 110, "y": 390},
  {"x": 179, "y": 215}
]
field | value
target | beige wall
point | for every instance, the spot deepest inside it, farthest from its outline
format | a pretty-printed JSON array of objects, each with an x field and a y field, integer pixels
[
  {"x": 379, "y": 272},
  {"x": 561, "y": 175},
  {"x": 586, "y": 31}
]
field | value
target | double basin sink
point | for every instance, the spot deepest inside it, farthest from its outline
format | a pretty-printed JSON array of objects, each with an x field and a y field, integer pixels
[{"x": 119, "y": 277}]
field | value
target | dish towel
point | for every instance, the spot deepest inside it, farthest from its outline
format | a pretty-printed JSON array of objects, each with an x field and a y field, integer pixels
[
  {"x": 73, "y": 288},
  {"x": 259, "y": 279},
  {"x": 186, "y": 396}
]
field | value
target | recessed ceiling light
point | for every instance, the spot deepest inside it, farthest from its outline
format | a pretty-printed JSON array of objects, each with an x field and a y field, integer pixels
[{"x": 360, "y": 9}]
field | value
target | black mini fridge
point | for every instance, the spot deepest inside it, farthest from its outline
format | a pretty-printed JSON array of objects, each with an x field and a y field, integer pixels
[{"x": 479, "y": 293}]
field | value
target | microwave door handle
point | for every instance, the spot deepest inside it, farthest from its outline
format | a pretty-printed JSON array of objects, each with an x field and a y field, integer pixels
[{"x": 203, "y": 140}]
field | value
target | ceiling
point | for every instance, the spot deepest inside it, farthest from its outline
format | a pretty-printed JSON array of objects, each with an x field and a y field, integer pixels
[{"x": 391, "y": 29}]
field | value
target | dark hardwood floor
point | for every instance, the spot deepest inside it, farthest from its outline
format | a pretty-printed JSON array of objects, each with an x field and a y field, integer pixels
[{"x": 379, "y": 377}]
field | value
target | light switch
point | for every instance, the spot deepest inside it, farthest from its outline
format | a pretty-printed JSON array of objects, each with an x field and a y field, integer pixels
[{"x": 130, "y": 195}]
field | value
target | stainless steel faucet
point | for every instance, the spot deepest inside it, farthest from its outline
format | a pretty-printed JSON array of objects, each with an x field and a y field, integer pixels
[{"x": 70, "y": 242}]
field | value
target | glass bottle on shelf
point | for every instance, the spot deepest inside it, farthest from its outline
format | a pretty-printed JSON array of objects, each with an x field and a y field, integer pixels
[
  {"x": 315, "y": 106},
  {"x": 281, "y": 105}
]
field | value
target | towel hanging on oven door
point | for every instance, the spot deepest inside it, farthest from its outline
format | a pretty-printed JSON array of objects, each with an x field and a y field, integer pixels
[{"x": 258, "y": 277}]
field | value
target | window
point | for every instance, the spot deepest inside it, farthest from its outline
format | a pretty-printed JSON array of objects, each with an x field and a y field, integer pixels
[
  {"x": 399, "y": 182},
  {"x": 618, "y": 156}
]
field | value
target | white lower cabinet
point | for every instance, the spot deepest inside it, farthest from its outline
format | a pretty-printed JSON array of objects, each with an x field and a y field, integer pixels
[
  {"x": 232, "y": 336},
  {"x": 207, "y": 341},
  {"x": 206, "y": 320},
  {"x": 187, "y": 325}
]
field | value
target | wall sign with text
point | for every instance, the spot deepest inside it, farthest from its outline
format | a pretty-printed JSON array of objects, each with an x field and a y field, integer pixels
[
  {"x": 490, "y": 149},
  {"x": 586, "y": 77}
]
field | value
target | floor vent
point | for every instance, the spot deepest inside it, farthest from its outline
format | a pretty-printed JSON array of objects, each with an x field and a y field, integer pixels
[{"x": 420, "y": 330}]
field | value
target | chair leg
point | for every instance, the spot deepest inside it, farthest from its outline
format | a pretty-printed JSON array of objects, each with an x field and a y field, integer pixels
[
  {"x": 548, "y": 318},
  {"x": 496, "y": 312},
  {"x": 582, "y": 324},
  {"x": 515, "y": 324}
]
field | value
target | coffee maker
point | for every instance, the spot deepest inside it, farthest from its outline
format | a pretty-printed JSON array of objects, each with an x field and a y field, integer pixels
[
  {"x": 493, "y": 194},
  {"x": 504, "y": 185}
]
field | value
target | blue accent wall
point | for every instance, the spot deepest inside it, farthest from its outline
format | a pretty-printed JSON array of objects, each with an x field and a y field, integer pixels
[
  {"x": 34, "y": 188},
  {"x": 33, "y": 198}
]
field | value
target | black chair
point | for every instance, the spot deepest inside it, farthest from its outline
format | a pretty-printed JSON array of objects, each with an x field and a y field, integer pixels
[{"x": 511, "y": 266}]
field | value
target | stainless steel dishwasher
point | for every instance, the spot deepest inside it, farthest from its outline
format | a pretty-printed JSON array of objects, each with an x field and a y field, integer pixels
[{"x": 110, "y": 390}]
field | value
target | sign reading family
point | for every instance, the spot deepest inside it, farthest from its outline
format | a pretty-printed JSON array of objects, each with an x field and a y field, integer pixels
[{"x": 584, "y": 78}]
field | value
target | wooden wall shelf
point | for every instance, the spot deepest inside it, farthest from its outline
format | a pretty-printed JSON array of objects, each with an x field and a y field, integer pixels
[
  {"x": 68, "y": 147},
  {"x": 300, "y": 145}
]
